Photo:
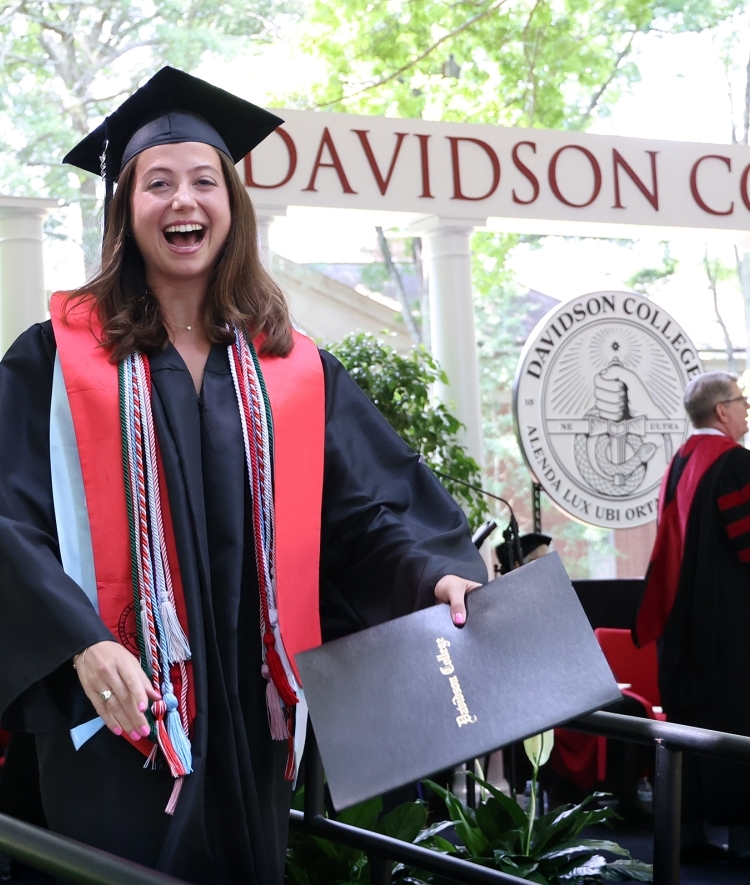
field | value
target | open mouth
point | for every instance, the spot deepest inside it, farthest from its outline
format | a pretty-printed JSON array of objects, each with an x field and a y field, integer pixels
[{"x": 184, "y": 235}]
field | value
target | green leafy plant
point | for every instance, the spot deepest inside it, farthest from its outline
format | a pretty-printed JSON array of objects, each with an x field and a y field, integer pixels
[
  {"x": 538, "y": 748},
  {"x": 548, "y": 850},
  {"x": 312, "y": 860},
  {"x": 399, "y": 385},
  {"x": 499, "y": 834}
]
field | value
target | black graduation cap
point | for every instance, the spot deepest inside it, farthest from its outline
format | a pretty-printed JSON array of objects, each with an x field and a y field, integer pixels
[{"x": 172, "y": 107}]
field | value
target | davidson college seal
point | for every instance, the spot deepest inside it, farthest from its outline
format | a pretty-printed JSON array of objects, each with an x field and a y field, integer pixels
[{"x": 598, "y": 405}]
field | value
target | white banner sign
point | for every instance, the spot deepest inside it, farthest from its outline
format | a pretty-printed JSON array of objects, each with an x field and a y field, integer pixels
[{"x": 473, "y": 171}]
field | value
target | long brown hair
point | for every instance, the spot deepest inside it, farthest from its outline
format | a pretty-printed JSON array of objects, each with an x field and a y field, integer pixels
[{"x": 240, "y": 292}]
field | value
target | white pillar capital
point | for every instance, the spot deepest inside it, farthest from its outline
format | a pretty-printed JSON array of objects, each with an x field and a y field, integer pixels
[
  {"x": 25, "y": 205},
  {"x": 448, "y": 261},
  {"x": 430, "y": 224},
  {"x": 22, "y": 295},
  {"x": 265, "y": 215},
  {"x": 270, "y": 211}
]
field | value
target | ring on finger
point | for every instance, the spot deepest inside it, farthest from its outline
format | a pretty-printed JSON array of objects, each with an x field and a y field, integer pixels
[{"x": 105, "y": 695}]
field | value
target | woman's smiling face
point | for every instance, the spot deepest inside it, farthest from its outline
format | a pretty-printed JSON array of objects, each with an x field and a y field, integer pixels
[{"x": 180, "y": 212}]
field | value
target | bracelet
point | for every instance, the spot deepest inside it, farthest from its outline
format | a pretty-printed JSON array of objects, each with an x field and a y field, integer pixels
[{"x": 81, "y": 655}]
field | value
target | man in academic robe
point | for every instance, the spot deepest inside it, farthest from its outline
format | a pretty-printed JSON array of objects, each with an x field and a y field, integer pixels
[{"x": 696, "y": 604}]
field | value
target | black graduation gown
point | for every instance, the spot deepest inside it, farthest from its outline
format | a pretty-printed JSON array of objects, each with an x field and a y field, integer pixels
[
  {"x": 390, "y": 531},
  {"x": 704, "y": 654}
]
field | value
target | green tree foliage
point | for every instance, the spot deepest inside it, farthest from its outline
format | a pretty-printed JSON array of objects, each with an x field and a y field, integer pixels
[
  {"x": 644, "y": 280},
  {"x": 502, "y": 322},
  {"x": 66, "y": 64},
  {"x": 552, "y": 63},
  {"x": 525, "y": 63},
  {"x": 399, "y": 385}
]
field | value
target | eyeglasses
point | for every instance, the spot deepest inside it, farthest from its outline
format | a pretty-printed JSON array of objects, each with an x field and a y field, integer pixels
[{"x": 734, "y": 399}]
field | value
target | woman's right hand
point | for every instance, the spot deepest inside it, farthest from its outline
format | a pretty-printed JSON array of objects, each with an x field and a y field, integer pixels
[{"x": 108, "y": 666}]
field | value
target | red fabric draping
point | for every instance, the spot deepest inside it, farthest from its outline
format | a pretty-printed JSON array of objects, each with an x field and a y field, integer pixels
[
  {"x": 581, "y": 758},
  {"x": 700, "y": 452},
  {"x": 296, "y": 391}
]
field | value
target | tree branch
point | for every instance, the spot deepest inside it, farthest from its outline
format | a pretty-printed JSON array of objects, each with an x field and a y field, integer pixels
[
  {"x": 9, "y": 12},
  {"x": 711, "y": 273},
  {"x": 396, "y": 277},
  {"x": 742, "y": 261},
  {"x": 493, "y": 7},
  {"x": 746, "y": 114},
  {"x": 603, "y": 88},
  {"x": 44, "y": 23},
  {"x": 531, "y": 64},
  {"x": 21, "y": 59},
  {"x": 730, "y": 97}
]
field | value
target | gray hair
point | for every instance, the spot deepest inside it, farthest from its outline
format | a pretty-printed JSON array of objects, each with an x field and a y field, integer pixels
[{"x": 705, "y": 392}]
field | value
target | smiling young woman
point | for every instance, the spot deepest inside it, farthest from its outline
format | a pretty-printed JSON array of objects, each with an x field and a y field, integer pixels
[
  {"x": 183, "y": 510},
  {"x": 239, "y": 291},
  {"x": 180, "y": 218}
]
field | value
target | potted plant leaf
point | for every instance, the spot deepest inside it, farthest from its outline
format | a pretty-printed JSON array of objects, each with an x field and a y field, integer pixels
[
  {"x": 312, "y": 860},
  {"x": 549, "y": 849}
]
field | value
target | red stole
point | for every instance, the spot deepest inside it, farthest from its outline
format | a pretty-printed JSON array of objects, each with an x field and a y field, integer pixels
[
  {"x": 296, "y": 391},
  {"x": 701, "y": 451}
]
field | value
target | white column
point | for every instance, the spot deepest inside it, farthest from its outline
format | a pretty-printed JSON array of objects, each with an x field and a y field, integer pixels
[
  {"x": 22, "y": 296},
  {"x": 265, "y": 216},
  {"x": 452, "y": 319}
]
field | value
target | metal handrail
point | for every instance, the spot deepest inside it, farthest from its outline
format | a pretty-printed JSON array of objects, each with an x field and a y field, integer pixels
[
  {"x": 72, "y": 860},
  {"x": 403, "y": 852},
  {"x": 80, "y": 863},
  {"x": 668, "y": 738},
  {"x": 733, "y": 747}
]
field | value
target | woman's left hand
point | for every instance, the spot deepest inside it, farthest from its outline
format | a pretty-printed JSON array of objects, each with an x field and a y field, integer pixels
[{"x": 453, "y": 590}]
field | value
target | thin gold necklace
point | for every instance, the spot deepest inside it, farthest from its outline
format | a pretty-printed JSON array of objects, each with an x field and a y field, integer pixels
[
  {"x": 173, "y": 325},
  {"x": 177, "y": 326}
]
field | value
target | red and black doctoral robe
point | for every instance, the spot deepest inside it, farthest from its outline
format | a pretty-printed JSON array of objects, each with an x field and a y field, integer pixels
[{"x": 697, "y": 604}]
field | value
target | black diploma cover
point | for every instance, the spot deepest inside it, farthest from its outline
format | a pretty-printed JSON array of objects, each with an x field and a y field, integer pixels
[{"x": 399, "y": 701}]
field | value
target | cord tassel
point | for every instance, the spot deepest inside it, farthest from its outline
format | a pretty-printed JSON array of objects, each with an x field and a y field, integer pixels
[
  {"x": 172, "y": 804},
  {"x": 151, "y": 758},
  {"x": 177, "y": 642},
  {"x": 277, "y": 672},
  {"x": 291, "y": 766},
  {"x": 159, "y": 709},
  {"x": 176, "y": 733},
  {"x": 276, "y": 720}
]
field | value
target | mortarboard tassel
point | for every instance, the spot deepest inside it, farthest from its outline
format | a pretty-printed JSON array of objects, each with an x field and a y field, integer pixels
[
  {"x": 108, "y": 184},
  {"x": 108, "y": 193}
]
